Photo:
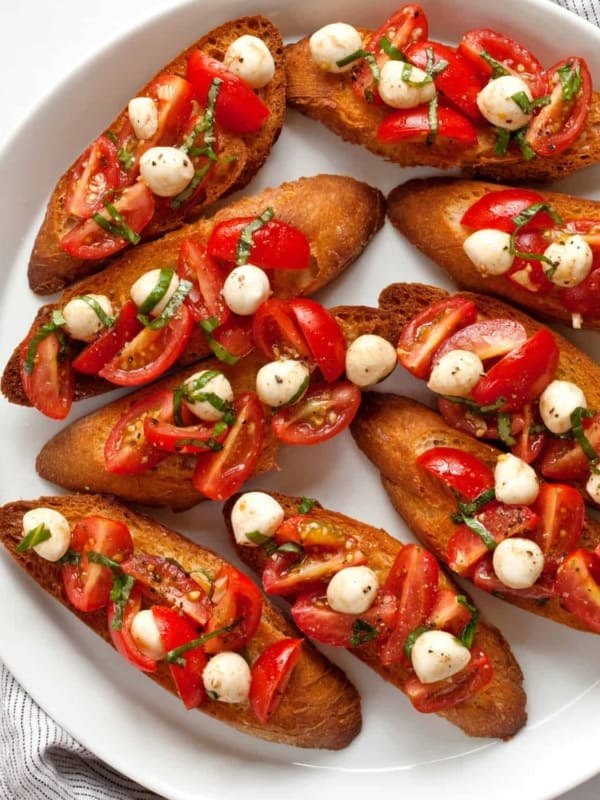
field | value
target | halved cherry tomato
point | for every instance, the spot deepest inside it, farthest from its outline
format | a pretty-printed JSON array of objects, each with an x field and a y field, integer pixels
[
  {"x": 271, "y": 673},
  {"x": 528, "y": 273},
  {"x": 121, "y": 637},
  {"x": 275, "y": 245},
  {"x": 290, "y": 573},
  {"x": 561, "y": 511},
  {"x": 584, "y": 298},
  {"x": 237, "y": 107},
  {"x": 508, "y": 52},
  {"x": 175, "y": 630},
  {"x": 530, "y": 441},
  {"x": 520, "y": 376},
  {"x": 49, "y": 385},
  {"x": 450, "y": 612},
  {"x": 205, "y": 299},
  {"x": 458, "y": 469},
  {"x": 323, "y": 336},
  {"x": 98, "y": 353},
  {"x": 564, "y": 460},
  {"x": 441, "y": 695},
  {"x": 96, "y": 173},
  {"x": 88, "y": 585},
  {"x": 414, "y": 124},
  {"x": 310, "y": 532},
  {"x": 237, "y": 600},
  {"x": 578, "y": 584},
  {"x": 276, "y": 331},
  {"x": 218, "y": 475},
  {"x": 88, "y": 240},
  {"x": 490, "y": 338},
  {"x": 198, "y": 438},
  {"x": 498, "y": 209},
  {"x": 428, "y": 329},
  {"x": 174, "y": 98},
  {"x": 313, "y": 615},
  {"x": 485, "y": 578},
  {"x": 235, "y": 335},
  {"x": 152, "y": 352},
  {"x": 323, "y": 412},
  {"x": 558, "y": 124}
]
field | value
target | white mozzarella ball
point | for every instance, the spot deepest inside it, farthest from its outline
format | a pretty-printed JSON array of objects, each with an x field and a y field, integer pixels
[
  {"x": 166, "y": 171},
  {"x": 437, "y": 655},
  {"x": 456, "y": 373},
  {"x": 143, "y": 115},
  {"x": 352, "y": 590},
  {"x": 56, "y": 546},
  {"x": 571, "y": 259},
  {"x": 280, "y": 382},
  {"x": 518, "y": 562},
  {"x": 370, "y": 359},
  {"x": 255, "y": 512},
  {"x": 402, "y": 86},
  {"x": 146, "y": 636},
  {"x": 198, "y": 403},
  {"x": 489, "y": 250},
  {"x": 245, "y": 288},
  {"x": 226, "y": 677},
  {"x": 332, "y": 43},
  {"x": 495, "y": 101},
  {"x": 592, "y": 486},
  {"x": 81, "y": 321},
  {"x": 146, "y": 284},
  {"x": 250, "y": 59},
  {"x": 515, "y": 482},
  {"x": 557, "y": 402}
]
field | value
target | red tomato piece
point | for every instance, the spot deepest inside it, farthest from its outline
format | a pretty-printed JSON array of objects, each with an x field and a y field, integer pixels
[
  {"x": 441, "y": 695},
  {"x": 275, "y": 245},
  {"x": 121, "y": 637},
  {"x": 199, "y": 438},
  {"x": 458, "y": 469},
  {"x": 49, "y": 385},
  {"x": 428, "y": 329},
  {"x": 235, "y": 335},
  {"x": 498, "y": 209},
  {"x": 96, "y": 173},
  {"x": 564, "y": 460},
  {"x": 323, "y": 412},
  {"x": 562, "y": 512},
  {"x": 236, "y": 599},
  {"x": 87, "y": 584},
  {"x": 530, "y": 442},
  {"x": 310, "y": 532},
  {"x": 490, "y": 338},
  {"x": 485, "y": 578},
  {"x": 323, "y": 336},
  {"x": 584, "y": 298},
  {"x": 520, "y": 376},
  {"x": 277, "y": 333},
  {"x": 449, "y": 613},
  {"x": 98, "y": 353},
  {"x": 414, "y": 124},
  {"x": 578, "y": 584},
  {"x": 271, "y": 673},
  {"x": 174, "y": 98},
  {"x": 205, "y": 299},
  {"x": 528, "y": 273},
  {"x": 291, "y": 573}
]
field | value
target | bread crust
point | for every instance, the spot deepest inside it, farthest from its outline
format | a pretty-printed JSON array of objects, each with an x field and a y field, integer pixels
[
  {"x": 51, "y": 268},
  {"x": 499, "y": 710},
  {"x": 320, "y": 707}
]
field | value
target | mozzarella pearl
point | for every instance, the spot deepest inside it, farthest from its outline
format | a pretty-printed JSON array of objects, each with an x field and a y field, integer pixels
[
  {"x": 56, "y": 546},
  {"x": 592, "y": 486},
  {"x": 437, "y": 655},
  {"x": 279, "y": 382},
  {"x": 332, "y": 43},
  {"x": 456, "y": 373},
  {"x": 517, "y": 562},
  {"x": 226, "y": 677},
  {"x": 143, "y": 115},
  {"x": 369, "y": 359},
  {"x": 352, "y": 590},
  {"x": 245, "y": 288},
  {"x": 145, "y": 285},
  {"x": 250, "y": 59},
  {"x": 557, "y": 402},
  {"x": 495, "y": 101},
  {"x": 515, "y": 481},
  {"x": 166, "y": 171},
  {"x": 399, "y": 91},
  {"x": 203, "y": 408},
  {"x": 81, "y": 321},
  {"x": 145, "y": 634},
  {"x": 489, "y": 250},
  {"x": 255, "y": 512},
  {"x": 571, "y": 258}
]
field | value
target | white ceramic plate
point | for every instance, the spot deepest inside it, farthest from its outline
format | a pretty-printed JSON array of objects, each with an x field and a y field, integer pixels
[{"x": 127, "y": 720}]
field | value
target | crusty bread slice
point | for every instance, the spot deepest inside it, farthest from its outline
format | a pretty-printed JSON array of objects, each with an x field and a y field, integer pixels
[
  {"x": 337, "y": 234},
  {"x": 428, "y": 213},
  {"x": 499, "y": 710},
  {"x": 240, "y": 157},
  {"x": 330, "y": 99},
  {"x": 319, "y": 708},
  {"x": 392, "y": 431}
]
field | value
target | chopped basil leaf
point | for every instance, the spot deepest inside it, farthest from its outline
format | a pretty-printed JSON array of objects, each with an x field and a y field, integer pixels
[
  {"x": 577, "y": 417},
  {"x": 104, "y": 318},
  {"x": 504, "y": 429},
  {"x": 206, "y": 444},
  {"x": 210, "y": 692},
  {"x": 158, "y": 292},
  {"x": 189, "y": 190},
  {"x": 481, "y": 531},
  {"x": 502, "y": 141},
  {"x": 349, "y": 59},
  {"x": 270, "y": 546},
  {"x": 412, "y": 637},
  {"x": 406, "y": 77},
  {"x": 100, "y": 558},
  {"x": 468, "y": 633},
  {"x": 469, "y": 509},
  {"x": 175, "y": 656},
  {"x": 297, "y": 394},
  {"x": 498, "y": 69},
  {"x": 528, "y": 106},
  {"x": 362, "y": 632},
  {"x": 256, "y": 537},
  {"x": 54, "y": 326},
  {"x": 119, "y": 228},
  {"x": 432, "y": 117},
  {"x": 189, "y": 141},
  {"x": 110, "y": 135},
  {"x": 195, "y": 393},
  {"x": 70, "y": 557},
  {"x": 291, "y": 547},
  {"x": 570, "y": 80},
  {"x": 522, "y": 219},
  {"x": 473, "y": 406},
  {"x": 208, "y": 326},
  {"x": 526, "y": 149},
  {"x": 126, "y": 157},
  {"x": 431, "y": 68},
  {"x": 122, "y": 586},
  {"x": 391, "y": 52},
  {"x": 246, "y": 240},
  {"x": 34, "y": 537},
  {"x": 306, "y": 505},
  {"x": 170, "y": 309}
]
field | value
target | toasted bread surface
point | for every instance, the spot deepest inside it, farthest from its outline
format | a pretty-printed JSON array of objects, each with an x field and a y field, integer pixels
[{"x": 320, "y": 707}]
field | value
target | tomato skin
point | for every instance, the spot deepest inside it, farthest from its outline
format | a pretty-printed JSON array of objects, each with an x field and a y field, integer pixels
[
  {"x": 323, "y": 412},
  {"x": 174, "y": 439},
  {"x": 529, "y": 444},
  {"x": 584, "y": 298},
  {"x": 490, "y": 338},
  {"x": 205, "y": 299},
  {"x": 564, "y": 460},
  {"x": 271, "y": 673},
  {"x": 458, "y": 469},
  {"x": 122, "y": 639},
  {"x": 578, "y": 584},
  {"x": 276, "y": 332},
  {"x": 96, "y": 173},
  {"x": 432, "y": 697},
  {"x": 275, "y": 245},
  {"x": 323, "y": 336},
  {"x": 562, "y": 512},
  {"x": 98, "y": 353},
  {"x": 448, "y": 613},
  {"x": 50, "y": 385},
  {"x": 235, "y": 335},
  {"x": 240, "y": 600},
  {"x": 497, "y": 209},
  {"x": 485, "y": 578},
  {"x": 310, "y": 531},
  {"x": 412, "y": 124},
  {"x": 288, "y": 574},
  {"x": 528, "y": 273}
]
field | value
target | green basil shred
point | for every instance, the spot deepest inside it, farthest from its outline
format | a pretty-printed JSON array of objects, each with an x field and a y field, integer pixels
[
  {"x": 468, "y": 633},
  {"x": 158, "y": 292},
  {"x": 222, "y": 353},
  {"x": 54, "y": 326},
  {"x": 34, "y": 537},
  {"x": 106, "y": 320},
  {"x": 412, "y": 637},
  {"x": 577, "y": 417},
  {"x": 498, "y": 69},
  {"x": 391, "y": 52},
  {"x": 119, "y": 227},
  {"x": 570, "y": 80},
  {"x": 169, "y": 310},
  {"x": 246, "y": 240},
  {"x": 306, "y": 505},
  {"x": 362, "y": 632},
  {"x": 432, "y": 116},
  {"x": 175, "y": 656}
]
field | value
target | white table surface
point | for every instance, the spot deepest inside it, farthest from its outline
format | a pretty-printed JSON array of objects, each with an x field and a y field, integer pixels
[{"x": 40, "y": 43}]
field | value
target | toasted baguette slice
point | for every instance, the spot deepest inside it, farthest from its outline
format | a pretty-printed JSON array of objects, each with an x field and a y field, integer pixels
[
  {"x": 337, "y": 233},
  {"x": 392, "y": 431},
  {"x": 319, "y": 708},
  {"x": 330, "y": 99},
  {"x": 499, "y": 710},
  {"x": 240, "y": 157},
  {"x": 428, "y": 213}
]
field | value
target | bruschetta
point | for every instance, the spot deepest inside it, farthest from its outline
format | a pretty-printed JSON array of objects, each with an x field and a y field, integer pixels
[
  {"x": 355, "y": 586},
  {"x": 487, "y": 106},
  {"x": 200, "y": 129},
  {"x": 540, "y": 552},
  {"x": 206, "y": 279},
  {"x": 182, "y": 615},
  {"x": 537, "y": 249}
]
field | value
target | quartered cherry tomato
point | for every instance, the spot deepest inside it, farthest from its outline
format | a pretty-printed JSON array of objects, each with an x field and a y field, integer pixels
[
  {"x": 485, "y": 578},
  {"x": 288, "y": 573},
  {"x": 271, "y": 673},
  {"x": 565, "y": 460},
  {"x": 96, "y": 173},
  {"x": 275, "y": 245},
  {"x": 323, "y": 412},
  {"x": 490, "y": 338},
  {"x": 174, "y": 98},
  {"x": 277, "y": 333},
  {"x": 578, "y": 584},
  {"x": 561, "y": 512},
  {"x": 237, "y": 602},
  {"x": 415, "y": 125},
  {"x": 441, "y": 695},
  {"x": 458, "y": 469},
  {"x": 121, "y": 637},
  {"x": 197, "y": 438},
  {"x": 98, "y": 353},
  {"x": 530, "y": 440},
  {"x": 450, "y": 612},
  {"x": 322, "y": 334},
  {"x": 498, "y": 209},
  {"x": 49, "y": 384},
  {"x": 205, "y": 299}
]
